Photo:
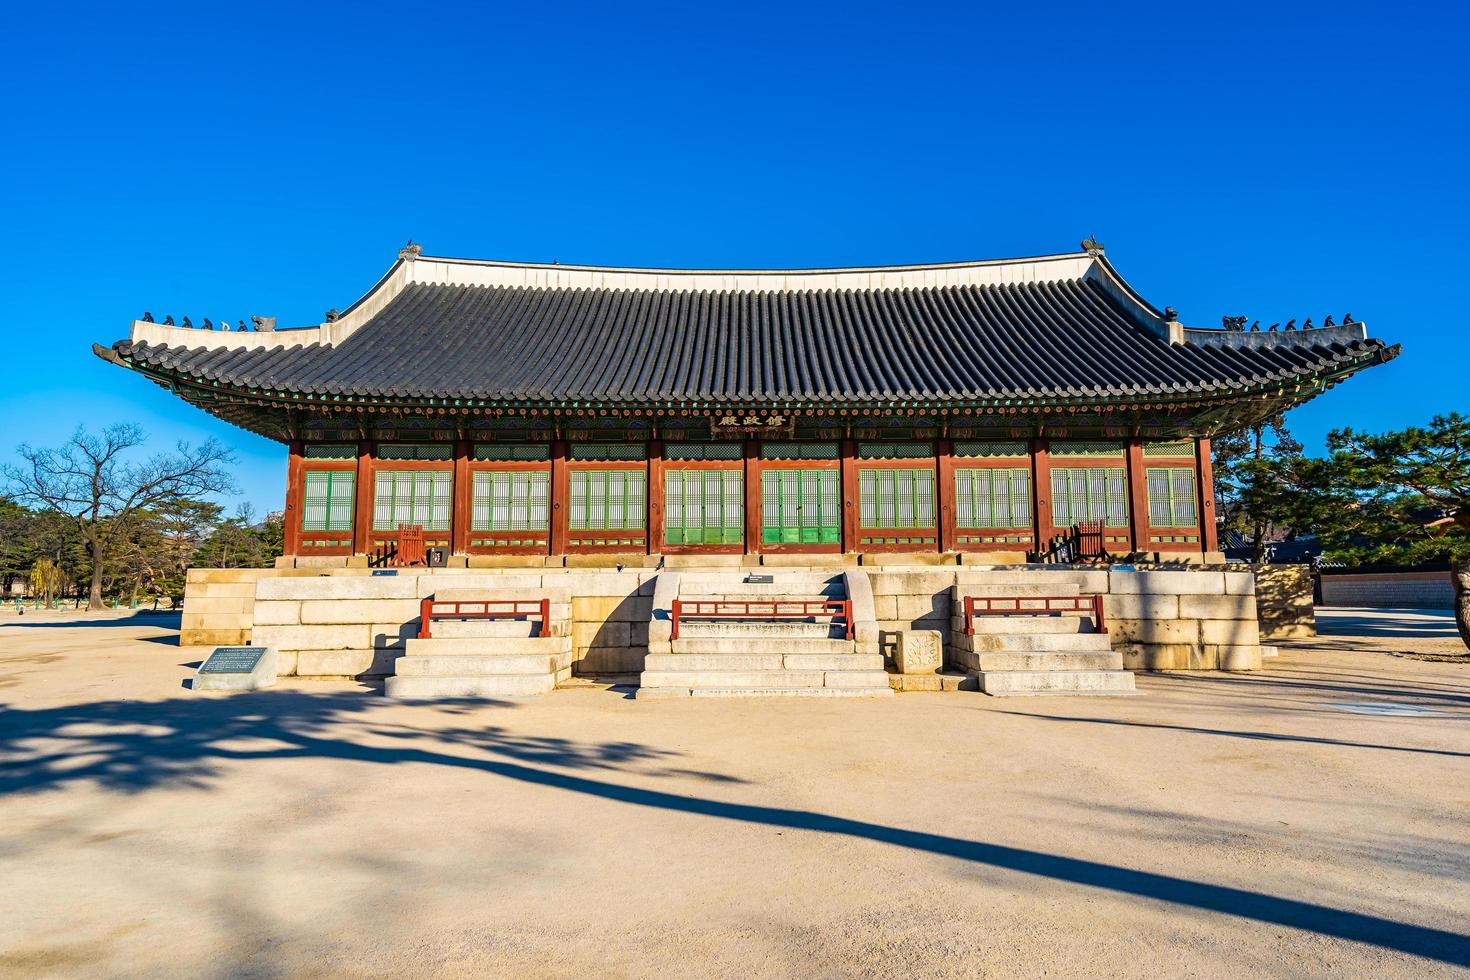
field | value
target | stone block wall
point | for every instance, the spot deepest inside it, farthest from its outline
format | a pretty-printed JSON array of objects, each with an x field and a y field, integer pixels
[
  {"x": 345, "y": 622},
  {"x": 1284, "y": 601},
  {"x": 1389, "y": 590},
  {"x": 1184, "y": 620},
  {"x": 219, "y": 604}
]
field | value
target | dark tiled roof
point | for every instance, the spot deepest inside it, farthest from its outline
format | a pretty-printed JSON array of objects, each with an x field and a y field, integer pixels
[{"x": 1065, "y": 339}]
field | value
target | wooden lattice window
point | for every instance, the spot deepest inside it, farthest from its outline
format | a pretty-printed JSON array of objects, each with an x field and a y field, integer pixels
[
  {"x": 992, "y": 497},
  {"x": 897, "y": 498},
  {"x": 801, "y": 506},
  {"x": 510, "y": 500},
  {"x": 1171, "y": 497},
  {"x": 327, "y": 498},
  {"x": 704, "y": 506},
  {"x": 1089, "y": 493},
  {"x": 421, "y": 497},
  {"x": 607, "y": 499}
]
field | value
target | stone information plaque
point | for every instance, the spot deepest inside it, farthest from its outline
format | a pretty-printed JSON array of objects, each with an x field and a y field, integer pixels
[{"x": 237, "y": 669}]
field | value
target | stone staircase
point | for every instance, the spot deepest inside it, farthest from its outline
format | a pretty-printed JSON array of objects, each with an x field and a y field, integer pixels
[
  {"x": 760, "y": 658},
  {"x": 484, "y": 658},
  {"x": 1036, "y": 653}
]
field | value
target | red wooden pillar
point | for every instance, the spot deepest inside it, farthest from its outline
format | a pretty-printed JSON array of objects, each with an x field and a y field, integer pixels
[
  {"x": 294, "y": 490},
  {"x": 944, "y": 454},
  {"x": 848, "y": 451},
  {"x": 1041, "y": 490},
  {"x": 561, "y": 493},
  {"x": 459, "y": 521},
  {"x": 1137, "y": 495},
  {"x": 362, "y": 525},
  {"x": 655, "y": 532},
  {"x": 1209, "y": 532},
  {"x": 752, "y": 497}
]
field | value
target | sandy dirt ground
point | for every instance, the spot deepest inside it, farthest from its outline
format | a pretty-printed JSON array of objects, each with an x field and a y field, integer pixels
[{"x": 1308, "y": 820}]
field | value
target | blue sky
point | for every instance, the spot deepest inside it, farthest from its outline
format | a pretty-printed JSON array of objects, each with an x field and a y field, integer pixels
[{"x": 1278, "y": 161}]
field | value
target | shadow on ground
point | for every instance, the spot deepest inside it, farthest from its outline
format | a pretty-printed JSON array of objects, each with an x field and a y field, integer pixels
[
  {"x": 162, "y": 620},
  {"x": 131, "y": 746}
]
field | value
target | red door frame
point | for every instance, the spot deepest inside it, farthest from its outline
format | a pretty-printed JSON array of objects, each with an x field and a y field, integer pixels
[
  {"x": 542, "y": 538},
  {"x": 728, "y": 465},
  {"x": 930, "y": 462},
  {"x": 562, "y": 487},
  {"x": 1028, "y": 533}
]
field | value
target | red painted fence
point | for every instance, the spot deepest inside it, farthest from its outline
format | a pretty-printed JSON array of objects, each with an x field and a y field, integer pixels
[
  {"x": 431, "y": 609},
  {"x": 1010, "y": 605},
  {"x": 759, "y": 609}
]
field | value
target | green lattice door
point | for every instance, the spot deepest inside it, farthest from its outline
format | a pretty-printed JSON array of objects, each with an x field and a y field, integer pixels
[
  {"x": 801, "y": 506},
  {"x": 704, "y": 506}
]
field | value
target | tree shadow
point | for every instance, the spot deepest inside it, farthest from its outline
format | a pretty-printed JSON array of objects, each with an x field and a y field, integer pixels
[
  {"x": 163, "y": 620},
  {"x": 1406, "y": 623},
  {"x": 130, "y": 747},
  {"x": 1227, "y": 733},
  {"x": 1266, "y": 685}
]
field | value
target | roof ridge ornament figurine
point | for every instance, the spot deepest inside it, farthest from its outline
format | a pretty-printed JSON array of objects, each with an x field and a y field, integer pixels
[
  {"x": 264, "y": 324},
  {"x": 1233, "y": 323},
  {"x": 1092, "y": 246},
  {"x": 333, "y": 314},
  {"x": 147, "y": 317},
  {"x": 410, "y": 251}
]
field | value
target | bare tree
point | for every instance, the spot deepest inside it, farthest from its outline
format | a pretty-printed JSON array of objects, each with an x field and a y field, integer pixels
[{"x": 91, "y": 481}]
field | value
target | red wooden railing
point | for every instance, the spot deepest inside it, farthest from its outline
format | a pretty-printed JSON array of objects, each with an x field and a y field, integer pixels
[
  {"x": 1010, "y": 605},
  {"x": 432, "y": 608},
  {"x": 758, "y": 609}
]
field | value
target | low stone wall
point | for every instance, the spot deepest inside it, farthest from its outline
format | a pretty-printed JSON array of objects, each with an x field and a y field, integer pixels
[
  {"x": 346, "y": 622},
  {"x": 1389, "y": 590},
  {"x": 1284, "y": 601},
  {"x": 1198, "y": 619}
]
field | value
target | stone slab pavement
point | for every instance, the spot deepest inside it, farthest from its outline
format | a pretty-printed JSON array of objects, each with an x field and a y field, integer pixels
[{"x": 1220, "y": 825}]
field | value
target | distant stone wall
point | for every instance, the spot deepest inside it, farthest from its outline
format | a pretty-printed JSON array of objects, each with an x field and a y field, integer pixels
[
  {"x": 1389, "y": 590},
  {"x": 1284, "y": 601}
]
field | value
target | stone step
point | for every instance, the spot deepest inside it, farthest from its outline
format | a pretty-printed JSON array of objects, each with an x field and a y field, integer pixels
[
  {"x": 781, "y": 629},
  {"x": 469, "y": 686},
  {"x": 646, "y": 693},
  {"x": 1038, "y": 642},
  {"x": 1012, "y": 625},
  {"x": 686, "y": 597},
  {"x": 832, "y": 661},
  {"x": 468, "y": 664},
  {"x": 1019, "y": 682},
  {"x": 1046, "y": 661},
  {"x": 762, "y": 661},
  {"x": 1044, "y": 589},
  {"x": 791, "y": 583},
  {"x": 467, "y": 628},
  {"x": 733, "y": 678},
  {"x": 688, "y": 644},
  {"x": 488, "y": 645}
]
